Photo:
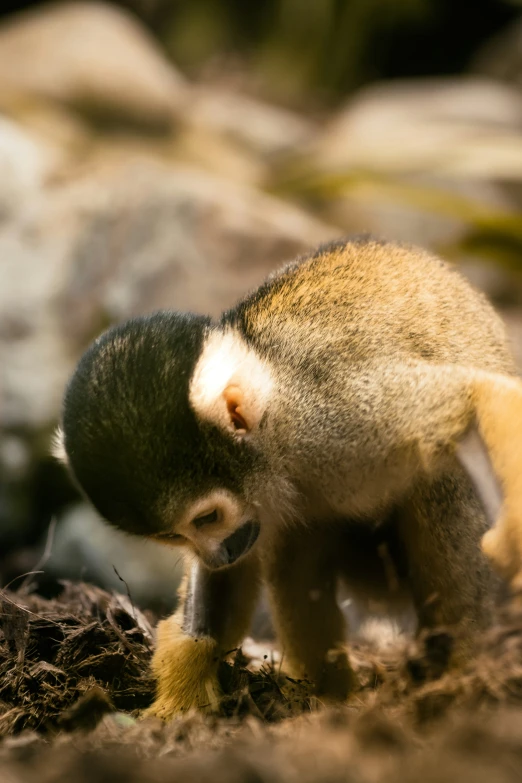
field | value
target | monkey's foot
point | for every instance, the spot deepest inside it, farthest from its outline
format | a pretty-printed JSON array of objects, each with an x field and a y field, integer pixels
[
  {"x": 186, "y": 672},
  {"x": 332, "y": 677},
  {"x": 336, "y": 680}
]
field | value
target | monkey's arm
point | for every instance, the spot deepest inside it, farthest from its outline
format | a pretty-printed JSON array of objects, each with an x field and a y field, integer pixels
[
  {"x": 498, "y": 407},
  {"x": 213, "y": 617}
]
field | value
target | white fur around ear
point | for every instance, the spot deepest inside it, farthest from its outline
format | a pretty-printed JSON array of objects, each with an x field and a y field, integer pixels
[
  {"x": 226, "y": 360},
  {"x": 58, "y": 446}
]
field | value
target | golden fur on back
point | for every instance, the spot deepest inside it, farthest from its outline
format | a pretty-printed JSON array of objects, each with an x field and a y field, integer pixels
[{"x": 368, "y": 299}]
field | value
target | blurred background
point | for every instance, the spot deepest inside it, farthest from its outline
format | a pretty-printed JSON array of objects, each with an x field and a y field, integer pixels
[{"x": 170, "y": 153}]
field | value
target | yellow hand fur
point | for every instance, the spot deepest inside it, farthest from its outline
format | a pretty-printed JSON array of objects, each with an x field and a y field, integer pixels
[{"x": 186, "y": 672}]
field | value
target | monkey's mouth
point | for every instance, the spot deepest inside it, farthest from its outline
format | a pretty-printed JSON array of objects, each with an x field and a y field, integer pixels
[{"x": 236, "y": 545}]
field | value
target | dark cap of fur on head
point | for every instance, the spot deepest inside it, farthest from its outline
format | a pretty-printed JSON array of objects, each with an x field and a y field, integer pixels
[{"x": 133, "y": 443}]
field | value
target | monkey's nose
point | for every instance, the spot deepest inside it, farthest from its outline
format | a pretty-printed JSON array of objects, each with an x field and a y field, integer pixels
[{"x": 240, "y": 541}]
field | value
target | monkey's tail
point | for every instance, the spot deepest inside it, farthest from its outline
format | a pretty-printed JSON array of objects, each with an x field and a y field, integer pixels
[{"x": 498, "y": 408}]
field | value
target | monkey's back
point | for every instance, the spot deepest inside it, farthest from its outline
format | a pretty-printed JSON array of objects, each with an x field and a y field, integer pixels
[{"x": 361, "y": 300}]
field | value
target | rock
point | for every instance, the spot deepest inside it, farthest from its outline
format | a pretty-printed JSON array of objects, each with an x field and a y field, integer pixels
[
  {"x": 213, "y": 151},
  {"x": 513, "y": 320},
  {"x": 249, "y": 123},
  {"x": 419, "y": 160},
  {"x": 238, "y": 137},
  {"x": 502, "y": 287},
  {"x": 448, "y": 127},
  {"x": 85, "y": 547},
  {"x": 92, "y": 57},
  {"x": 23, "y": 167}
]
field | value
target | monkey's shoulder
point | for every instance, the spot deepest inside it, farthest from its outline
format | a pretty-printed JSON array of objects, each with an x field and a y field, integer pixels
[
  {"x": 363, "y": 292},
  {"x": 343, "y": 274}
]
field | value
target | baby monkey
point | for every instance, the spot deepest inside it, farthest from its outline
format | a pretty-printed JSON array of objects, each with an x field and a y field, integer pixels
[{"x": 329, "y": 406}]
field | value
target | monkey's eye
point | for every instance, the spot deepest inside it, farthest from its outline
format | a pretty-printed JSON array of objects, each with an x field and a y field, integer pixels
[{"x": 206, "y": 519}]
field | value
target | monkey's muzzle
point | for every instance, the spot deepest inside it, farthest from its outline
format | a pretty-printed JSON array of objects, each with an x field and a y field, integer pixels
[{"x": 237, "y": 544}]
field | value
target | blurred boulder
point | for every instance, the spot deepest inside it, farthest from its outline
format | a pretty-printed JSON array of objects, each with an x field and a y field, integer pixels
[
  {"x": 237, "y": 136},
  {"x": 249, "y": 123},
  {"x": 199, "y": 145},
  {"x": 86, "y": 548},
  {"x": 513, "y": 320},
  {"x": 466, "y": 126},
  {"x": 91, "y": 57},
  {"x": 23, "y": 167},
  {"x": 418, "y": 160}
]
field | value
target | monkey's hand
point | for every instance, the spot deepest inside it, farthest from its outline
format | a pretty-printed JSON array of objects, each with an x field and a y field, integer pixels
[
  {"x": 185, "y": 668},
  {"x": 498, "y": 404},
  {"x": 503, "y": 546}
]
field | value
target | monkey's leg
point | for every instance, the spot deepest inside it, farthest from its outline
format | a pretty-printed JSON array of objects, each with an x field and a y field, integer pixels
[
  {"x": 213, "y": 617},
  {"x": 440, "y": 526},
  {"x": 302, "y": 581}
]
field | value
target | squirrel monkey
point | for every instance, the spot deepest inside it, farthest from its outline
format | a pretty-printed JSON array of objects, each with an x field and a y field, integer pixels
[{"x": 335, "y": 399}]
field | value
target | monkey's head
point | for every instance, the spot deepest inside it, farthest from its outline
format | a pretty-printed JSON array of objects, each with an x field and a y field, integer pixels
[{"x": 159, "y": 431}]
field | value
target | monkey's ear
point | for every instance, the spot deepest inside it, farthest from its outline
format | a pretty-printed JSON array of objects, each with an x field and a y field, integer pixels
[
  {"x": 235, "y": 402},
  {"x": 231, "y": 385}
]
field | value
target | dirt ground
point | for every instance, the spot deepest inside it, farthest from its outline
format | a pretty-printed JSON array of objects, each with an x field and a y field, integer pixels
[{"x": 74, "y": 676}]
